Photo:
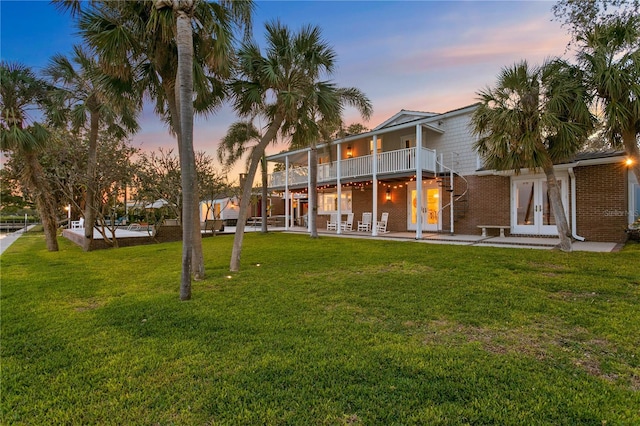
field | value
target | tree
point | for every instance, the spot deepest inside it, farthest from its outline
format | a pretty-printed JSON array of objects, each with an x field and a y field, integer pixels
[
  {"x": 95, "y": 105},
  {"x": 139, "y": 41},
  {"x": 243, "y": 136},
  {"x": 184, "y": 11},
  {"x": 158, "y": 177},
  {"x": 275, "y": 87},
  {"x": 533, "y": 118},
  {"x": 610, "y": 58},
  {"x": 582, "y": 17},
  {"x": 11, "y": 199},
  {"x": 606, "y": 37},
  {"x": 65, "y": 164},
  {"x": 212, "y": 184},
  {"x": 20, "y": 92}
]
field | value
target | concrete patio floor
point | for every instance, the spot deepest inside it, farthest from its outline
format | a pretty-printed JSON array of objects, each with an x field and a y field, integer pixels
[{"x": 541, "y": 243}]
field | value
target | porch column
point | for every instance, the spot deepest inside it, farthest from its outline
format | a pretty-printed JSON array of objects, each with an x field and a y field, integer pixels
[
  {"x": 374, "y": 173},
  {"x": 419, "y": 194},
  {"x": 309, "y": 192},
  {"x": 286, "y": 193},
  {"x": 339, "y": 187}
]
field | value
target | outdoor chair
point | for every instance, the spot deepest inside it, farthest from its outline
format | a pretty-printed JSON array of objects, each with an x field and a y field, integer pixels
[
  {"x": 381, "y": 226},
  {"x": 332, "y": 223},
  {"x": 77, "y": 224},
  {"x": 347, "y": 225},
  {"x": 365, "y": 224}
]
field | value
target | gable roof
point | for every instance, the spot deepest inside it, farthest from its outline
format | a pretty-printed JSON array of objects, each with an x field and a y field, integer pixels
[{"x": 404, "y": 116}]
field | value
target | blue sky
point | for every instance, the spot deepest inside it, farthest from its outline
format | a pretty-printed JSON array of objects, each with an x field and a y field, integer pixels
[{"x": 415, "y": 55}]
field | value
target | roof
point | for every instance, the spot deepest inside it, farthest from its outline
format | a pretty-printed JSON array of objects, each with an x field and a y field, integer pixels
[
  {"x": 429, "y": 120},
  {"x": 591, "y": 157},
  {"x": 594, "y": 155}
]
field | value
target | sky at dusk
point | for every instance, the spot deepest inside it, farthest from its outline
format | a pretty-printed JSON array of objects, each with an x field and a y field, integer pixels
[{"x": 414, "y": 55}]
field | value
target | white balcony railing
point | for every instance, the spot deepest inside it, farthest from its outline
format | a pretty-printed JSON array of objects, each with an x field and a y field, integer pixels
[{"x": 389, "y": 162}]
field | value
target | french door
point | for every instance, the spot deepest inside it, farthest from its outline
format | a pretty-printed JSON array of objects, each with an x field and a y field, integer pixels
[
  {"x": 429, "y": 211},
  {"x": 531, "y": 211}
]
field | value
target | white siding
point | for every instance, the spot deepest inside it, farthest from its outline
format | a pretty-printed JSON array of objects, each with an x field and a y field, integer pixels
[{"x": 457, "y": 140}]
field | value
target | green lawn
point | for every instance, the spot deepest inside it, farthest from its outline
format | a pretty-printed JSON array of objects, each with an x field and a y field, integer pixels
[{"x": 328, "y": 331}]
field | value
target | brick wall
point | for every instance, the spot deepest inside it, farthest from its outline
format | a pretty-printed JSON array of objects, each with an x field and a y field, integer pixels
[
  {"x": 601, "y": 202},
  {"x": 488, "y": 203},
  {"x": 397, "y": 207}
]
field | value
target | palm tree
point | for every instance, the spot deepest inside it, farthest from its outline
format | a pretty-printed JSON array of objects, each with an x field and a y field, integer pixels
[
  {"x": 95, "y": 103},
  {"x": 318, "y": 118},
  {"x": 20, "y": 92},
  {"x": 610, "y": 57},
  {"x": 533, "y": 118},
  {"x": 272, "y": 87},
  {"x": 241, "y": 137},
  {"x": 138, "y": 40},
  {"x": 184, "y": 10}
]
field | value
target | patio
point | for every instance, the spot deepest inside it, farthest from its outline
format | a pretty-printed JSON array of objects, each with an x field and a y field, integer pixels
[
  {"x": 127, "y": 238},
  {"x": 471, "y": 240}
]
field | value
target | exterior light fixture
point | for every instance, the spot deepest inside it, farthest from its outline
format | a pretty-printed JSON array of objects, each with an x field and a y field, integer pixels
[
  {"x": 349, "y": 152},
  {"x": 388, "y": 195},
  {"x": 628, "y": 162}
]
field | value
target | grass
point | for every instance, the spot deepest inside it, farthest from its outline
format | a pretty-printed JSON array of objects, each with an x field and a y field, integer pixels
[{"x": 330, "y": 331}]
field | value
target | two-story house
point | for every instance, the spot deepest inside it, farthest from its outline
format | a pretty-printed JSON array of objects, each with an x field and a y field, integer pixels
[{"x": 421, "y": 169}]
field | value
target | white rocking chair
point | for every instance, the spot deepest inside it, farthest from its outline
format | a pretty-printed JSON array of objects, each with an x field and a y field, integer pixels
[
  {"x": 348, "y": 224},
  {"x": 381, "y": 226},
  {"x": 332, "y": 223},
  {"x": 365, "y": 224}
]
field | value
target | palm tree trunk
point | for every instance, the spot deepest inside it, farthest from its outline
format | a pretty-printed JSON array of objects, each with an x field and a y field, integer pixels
[
  {"x": 184, "y": 40},
  {"x": 313, "y": 192},
  {"x": 558, "y": 211},
  {"x": 630, "y": 141},
  {"x": 36, "y": 181},
  {"x": 263, "y": 205},
  {"x": 173, "y": 102},
  {"x": 256, "y": 154},
  {"x": 90, "y": 193}
]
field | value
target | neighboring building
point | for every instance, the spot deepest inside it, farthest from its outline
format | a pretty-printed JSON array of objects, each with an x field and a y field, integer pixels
[
  {"x": 600, "y": 194},
  {"x": 225, "y": 209}
]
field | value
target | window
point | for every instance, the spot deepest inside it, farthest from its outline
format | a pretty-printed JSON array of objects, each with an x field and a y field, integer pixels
[
  {"x": 379, "y": 147},
  {"x": 328, "y": 202}
]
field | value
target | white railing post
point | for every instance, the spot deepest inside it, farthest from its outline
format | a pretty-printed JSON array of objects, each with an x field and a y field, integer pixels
[
  {"x": 451, "y": 193},
  {"x": 339, "y": 187},
  {"x": 374, "y": 173},
  {"x": 286, "y": 193},
  {"x": 309, "y": 193},
  {"x": 419, "y": 194}
]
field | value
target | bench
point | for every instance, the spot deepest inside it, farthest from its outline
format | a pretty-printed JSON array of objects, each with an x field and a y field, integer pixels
[{"x": 500, "y": 227}]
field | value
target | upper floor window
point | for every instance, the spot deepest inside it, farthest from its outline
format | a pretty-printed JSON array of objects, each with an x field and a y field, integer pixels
[{"x": 379, "y": 146}]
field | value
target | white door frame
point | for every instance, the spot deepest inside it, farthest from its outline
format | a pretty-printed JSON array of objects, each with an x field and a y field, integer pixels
[
  {"x": 536, "y": 201},
  {"x": 426, "y": 226}
]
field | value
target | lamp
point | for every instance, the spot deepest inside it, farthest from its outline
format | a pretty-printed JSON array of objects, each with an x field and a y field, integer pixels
[
  {"x": 628, "y": 162},
  {"x": 388, "y": 195},
  {"x": 349, "y": 152}
]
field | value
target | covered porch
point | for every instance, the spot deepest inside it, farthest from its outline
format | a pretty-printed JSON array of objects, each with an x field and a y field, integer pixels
[{"x": 376, "y": 163}]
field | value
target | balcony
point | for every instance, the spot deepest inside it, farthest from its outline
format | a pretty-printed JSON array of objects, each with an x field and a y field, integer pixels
[{"x": 390, "y": 162}]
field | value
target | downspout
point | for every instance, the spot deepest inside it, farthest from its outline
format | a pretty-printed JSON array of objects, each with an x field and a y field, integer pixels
[{"x": 573, "y": 205}]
